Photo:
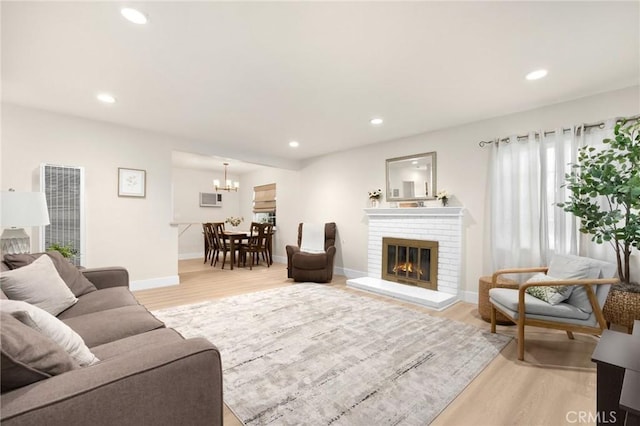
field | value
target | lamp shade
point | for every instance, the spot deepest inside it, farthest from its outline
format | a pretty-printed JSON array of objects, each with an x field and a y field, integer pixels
[{"x": 23, "y": 209}]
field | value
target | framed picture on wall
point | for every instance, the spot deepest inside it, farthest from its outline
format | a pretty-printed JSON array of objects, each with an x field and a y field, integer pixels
[{"x": 132, "y": 183}]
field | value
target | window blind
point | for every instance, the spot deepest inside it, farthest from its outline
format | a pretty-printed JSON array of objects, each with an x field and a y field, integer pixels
[
  {"x": 264, "y": 200},
  {"x": 64, "y": 189}
]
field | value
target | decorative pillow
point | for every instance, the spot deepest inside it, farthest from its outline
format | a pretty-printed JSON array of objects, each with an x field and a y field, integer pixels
[
  {"x": 75, "y": 280},
  {"x": 28, "y": 356},
  {"x": 38, "y": 284},
  {"x": 51, "y": 327},
  {"x": 550, "y": 294},
  {"x": 568, "y": 267},
  {"x": 588, "y": 268}
]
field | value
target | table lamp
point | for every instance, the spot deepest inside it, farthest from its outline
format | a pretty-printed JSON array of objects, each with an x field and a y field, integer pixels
[{"x": 20, "y": 210}]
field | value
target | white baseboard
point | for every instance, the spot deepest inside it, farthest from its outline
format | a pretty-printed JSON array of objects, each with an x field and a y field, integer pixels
[
  {"x": 185, "y": 256},
  {"x": 154, "y": 283},
  {"x": 469, "y": 297},
  {"x": 349, "y": 273}
]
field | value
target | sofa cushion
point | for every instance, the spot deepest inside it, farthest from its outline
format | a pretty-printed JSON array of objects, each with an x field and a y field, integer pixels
[
  {"x": 71, "y": 275},
  {"x": 107, "y": 326},
  {"x": 28, "y": 355},
  {"x": 38, "y": 284},
  {"x": 52, "y": 327},
  {"x": 550, "y": 294},
  {"x": 142, "y": 341},
  {"x": 100, "y": 300},
  {"x": 509, "y": 299}
]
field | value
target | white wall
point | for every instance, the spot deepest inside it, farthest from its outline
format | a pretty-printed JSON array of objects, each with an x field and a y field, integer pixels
[
  {"x": 336, "y": 186},
  {"x": 130, "y": 232},
  {"x": 289, "y": 200},
  {"x": 187, "y": 185},
  {"x": 136, "y": 232}
]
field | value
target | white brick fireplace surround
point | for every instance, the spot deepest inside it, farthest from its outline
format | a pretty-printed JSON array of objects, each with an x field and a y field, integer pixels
[{"x": 441, "y": 224}]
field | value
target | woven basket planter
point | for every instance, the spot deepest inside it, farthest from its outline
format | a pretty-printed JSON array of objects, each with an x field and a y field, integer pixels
[
  {"x": 484, "y": 306},
  {"x": 622, "y": 308}
]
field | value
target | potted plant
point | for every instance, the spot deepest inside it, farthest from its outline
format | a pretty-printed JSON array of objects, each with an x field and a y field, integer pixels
[
  {"x": 611, "y": 174},
  {"x": 67, "y": 251}
]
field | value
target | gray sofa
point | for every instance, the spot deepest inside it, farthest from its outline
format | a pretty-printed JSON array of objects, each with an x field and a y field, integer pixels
[{"x": 147, "y": 374}]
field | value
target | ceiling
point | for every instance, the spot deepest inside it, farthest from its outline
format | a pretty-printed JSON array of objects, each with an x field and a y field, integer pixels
[{"x": 245, "y": 78}]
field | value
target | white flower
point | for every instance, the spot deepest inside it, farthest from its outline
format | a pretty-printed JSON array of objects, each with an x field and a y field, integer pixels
[
  {"x": 442, "y": 194},
  {"x": 375, "y": 194}
]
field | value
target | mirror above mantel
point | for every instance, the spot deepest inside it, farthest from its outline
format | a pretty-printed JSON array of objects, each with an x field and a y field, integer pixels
[{"x": 412, "y": 177}]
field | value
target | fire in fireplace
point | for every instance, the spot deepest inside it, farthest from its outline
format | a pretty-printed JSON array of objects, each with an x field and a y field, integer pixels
[{"x": 413, "y": 262}]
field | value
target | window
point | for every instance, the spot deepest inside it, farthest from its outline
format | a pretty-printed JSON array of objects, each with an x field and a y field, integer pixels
[{"x": 264, "y": 203}]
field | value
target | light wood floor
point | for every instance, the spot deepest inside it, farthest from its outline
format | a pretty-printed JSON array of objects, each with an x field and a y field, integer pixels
[{"x": 556, "y": 380}]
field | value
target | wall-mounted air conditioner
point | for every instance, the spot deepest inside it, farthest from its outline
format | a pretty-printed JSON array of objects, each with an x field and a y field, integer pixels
[{"x": 210, "y": 199}]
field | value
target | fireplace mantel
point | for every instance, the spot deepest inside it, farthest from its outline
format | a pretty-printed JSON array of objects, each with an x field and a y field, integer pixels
[
  {"x": 441, "y": 224},
  {"x": 415, "y": 211}
]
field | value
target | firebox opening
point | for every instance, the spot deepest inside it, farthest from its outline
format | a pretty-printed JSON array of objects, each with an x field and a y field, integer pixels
[{"x": 413, "y": 262}]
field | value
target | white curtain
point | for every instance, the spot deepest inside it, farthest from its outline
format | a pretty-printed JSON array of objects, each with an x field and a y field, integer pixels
[
  {"x": 515, "y": 203},
  {"x": 526, "y": 177}
]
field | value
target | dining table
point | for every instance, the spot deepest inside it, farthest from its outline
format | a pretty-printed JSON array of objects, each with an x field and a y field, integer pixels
[{"x": 234, "y": 236}]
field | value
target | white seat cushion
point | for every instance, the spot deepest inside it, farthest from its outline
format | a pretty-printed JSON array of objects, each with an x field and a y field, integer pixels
[{"x": 509, "y": 299}]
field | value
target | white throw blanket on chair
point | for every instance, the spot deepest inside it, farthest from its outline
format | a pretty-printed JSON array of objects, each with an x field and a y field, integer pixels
[{"x": 312, "y": 238}]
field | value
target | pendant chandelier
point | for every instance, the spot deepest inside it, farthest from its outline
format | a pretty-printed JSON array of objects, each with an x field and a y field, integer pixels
[{"x": 228, "y": 185}]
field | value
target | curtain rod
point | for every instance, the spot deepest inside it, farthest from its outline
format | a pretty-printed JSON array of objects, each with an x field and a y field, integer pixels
[{"x": 564, "y": 130}]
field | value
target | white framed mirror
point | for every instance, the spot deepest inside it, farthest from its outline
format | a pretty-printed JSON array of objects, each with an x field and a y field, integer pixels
[{"x": 411, "y": 178}]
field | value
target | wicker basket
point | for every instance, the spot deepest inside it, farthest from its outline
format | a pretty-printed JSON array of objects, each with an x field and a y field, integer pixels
[
  {"x": 484, "y": 306},
  {"x": 622, "y": 308}
]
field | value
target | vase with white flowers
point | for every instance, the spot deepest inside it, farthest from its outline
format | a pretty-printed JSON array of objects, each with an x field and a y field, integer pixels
[
  {"x": 374, "y": 197},
  {"x": 443, "y": 196},
  {"x": 234, "y": 221}
]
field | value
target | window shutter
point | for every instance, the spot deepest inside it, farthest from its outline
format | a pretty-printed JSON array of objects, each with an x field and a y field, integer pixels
[{"x": 264, "y": 198}]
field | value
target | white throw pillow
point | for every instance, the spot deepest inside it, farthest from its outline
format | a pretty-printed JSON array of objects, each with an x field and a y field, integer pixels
[
  {"x": 550, "y": 294},
  {"x": 45, "y": 323},
  {"x": 38, "y": 284}
]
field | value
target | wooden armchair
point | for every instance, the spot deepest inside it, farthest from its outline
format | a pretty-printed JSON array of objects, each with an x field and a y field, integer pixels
[{"x": 570, "y": 315}]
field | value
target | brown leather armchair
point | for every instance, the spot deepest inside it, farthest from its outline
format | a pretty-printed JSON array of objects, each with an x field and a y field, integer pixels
[{"x": 314, "y": 267}]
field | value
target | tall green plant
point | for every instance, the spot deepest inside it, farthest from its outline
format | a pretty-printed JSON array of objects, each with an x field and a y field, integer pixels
[{"x": 613, "y": 175}]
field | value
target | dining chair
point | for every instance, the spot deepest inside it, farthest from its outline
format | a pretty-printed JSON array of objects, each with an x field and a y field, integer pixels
[
  {"x": 221, "y": 243},
  {"x": 209, "y": 241},
  {"x": 256, "y": 245}
]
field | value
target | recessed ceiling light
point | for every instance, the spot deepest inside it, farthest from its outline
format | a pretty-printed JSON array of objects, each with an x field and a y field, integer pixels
[
  {"x": 106, "y": 98},
  {"x": 294, "y": 144},
  {"x": 133, "y": 15},
  {"x": 376, "y": 121},
  {"x": 536, "y": 75}
]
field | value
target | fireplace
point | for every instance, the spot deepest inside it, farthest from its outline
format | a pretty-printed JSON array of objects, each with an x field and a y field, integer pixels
[
  {"x": 413, "y": 262},
  {"x": 441, "y": 224}
]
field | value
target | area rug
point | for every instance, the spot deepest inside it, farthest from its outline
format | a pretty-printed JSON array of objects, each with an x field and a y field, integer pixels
[{"x": 309, "y": 354}]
